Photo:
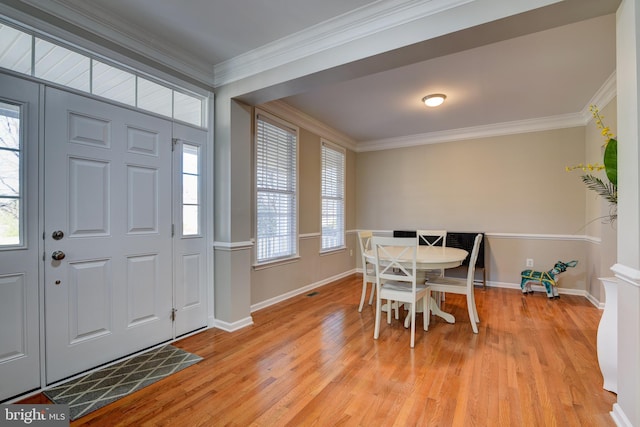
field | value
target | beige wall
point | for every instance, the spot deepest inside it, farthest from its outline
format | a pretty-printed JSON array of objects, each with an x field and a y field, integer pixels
[
  {"x": 506, "y": 184},
  {"x": 513, "y": 187},
  {"x": 506, "y": 259}
]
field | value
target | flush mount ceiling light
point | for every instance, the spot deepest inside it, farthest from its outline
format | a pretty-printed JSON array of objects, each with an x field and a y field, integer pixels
[{"x": 434, "y": 100}]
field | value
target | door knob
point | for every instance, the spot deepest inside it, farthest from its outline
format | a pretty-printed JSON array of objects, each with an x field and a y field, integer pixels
[{"x": 57, "y": 255}]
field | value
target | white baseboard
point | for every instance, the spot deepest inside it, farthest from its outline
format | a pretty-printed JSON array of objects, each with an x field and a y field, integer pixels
[
  {"x": 539, "y": 288},
  {"x": 299, "y": 291},
  {"x": 593, "y": 300},
  {"x": 619, "y": 416},
  {"x": 232, "y": 327}
]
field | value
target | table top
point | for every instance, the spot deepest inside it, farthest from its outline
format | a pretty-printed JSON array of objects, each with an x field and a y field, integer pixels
[{"x": 430, "y": 257}]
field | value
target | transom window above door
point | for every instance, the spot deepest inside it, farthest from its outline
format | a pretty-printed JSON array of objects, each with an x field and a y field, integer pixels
[{"x": 50, "y": 60}]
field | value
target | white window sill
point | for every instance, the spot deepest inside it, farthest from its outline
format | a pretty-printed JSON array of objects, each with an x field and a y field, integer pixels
[
  {"x": 333, "y": 251},
  {"x": 276, "y": 263}
]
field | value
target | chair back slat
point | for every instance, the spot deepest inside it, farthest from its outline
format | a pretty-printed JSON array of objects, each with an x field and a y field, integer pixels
[
  {"x": 472, "y": 261},
  {"x": 432, "y": 237},
  {"x": 395, "y": 258}
]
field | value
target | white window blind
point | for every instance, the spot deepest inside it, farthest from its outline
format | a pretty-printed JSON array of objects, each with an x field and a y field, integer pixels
[
  {"x": 276, "y": 190},
  {"x": 332, "y": 196}
]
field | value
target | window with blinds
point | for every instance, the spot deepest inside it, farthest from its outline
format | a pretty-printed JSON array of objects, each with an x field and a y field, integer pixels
[
  {"x": 276, "y": 190},
  {"x": 332, "y": 196}
]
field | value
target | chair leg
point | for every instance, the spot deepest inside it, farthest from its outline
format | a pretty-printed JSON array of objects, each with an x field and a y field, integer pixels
[
  {"x": 475, "y": 309},
  {"x": 413, "y": 324},
  {"x": 364, "y": 293},
  {"x": 373, "y": 291},
  {"x": 389, "y": 304},
  {"x": 426, "y": 312},
  {"x": 376, "y": 329},
  {"x": 472, "y": 315},
  {"x": 407, "y": 319}
]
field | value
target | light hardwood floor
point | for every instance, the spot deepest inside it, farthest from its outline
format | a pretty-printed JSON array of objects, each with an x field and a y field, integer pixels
[{"x": 312, "y": 360}]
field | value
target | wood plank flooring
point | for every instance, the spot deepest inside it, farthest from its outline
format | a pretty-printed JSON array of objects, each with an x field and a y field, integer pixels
[{"x": 312, "y": 360}]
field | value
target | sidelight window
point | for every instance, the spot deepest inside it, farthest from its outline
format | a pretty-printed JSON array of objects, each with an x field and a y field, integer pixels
[
  {"x": 11, "y": 192},
  {"x": 191, "y": 193}
]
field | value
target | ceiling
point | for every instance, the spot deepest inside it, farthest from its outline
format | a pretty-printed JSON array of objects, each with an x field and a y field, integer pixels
[{"x": 547, "y": 63}]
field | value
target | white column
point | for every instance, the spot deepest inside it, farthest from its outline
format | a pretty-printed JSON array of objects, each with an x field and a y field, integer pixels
[
  {"x": 232, "y": 218},
  {"x": 626, "y": 411}
]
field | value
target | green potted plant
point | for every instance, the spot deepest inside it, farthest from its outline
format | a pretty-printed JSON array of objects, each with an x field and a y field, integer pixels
[{"x": 607, "y": 189}]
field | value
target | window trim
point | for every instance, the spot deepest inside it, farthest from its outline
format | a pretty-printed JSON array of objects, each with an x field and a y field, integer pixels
[
  {"x": 276, "y": 121},
  {"x": 337, "y": 148}
]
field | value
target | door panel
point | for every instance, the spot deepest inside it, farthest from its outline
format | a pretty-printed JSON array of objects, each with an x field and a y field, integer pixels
[
  {"x": 19, "y": 318},
  {"x": 89, "y": 213},
  {"x": 108, "y": 189},
  {"x": 13, "y": 289},
  {"x": 90, "y": 300},
  {"x": 190, "y": 244}
]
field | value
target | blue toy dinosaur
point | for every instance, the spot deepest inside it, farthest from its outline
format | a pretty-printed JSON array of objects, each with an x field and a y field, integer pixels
[{"x": 547, "y": 278}]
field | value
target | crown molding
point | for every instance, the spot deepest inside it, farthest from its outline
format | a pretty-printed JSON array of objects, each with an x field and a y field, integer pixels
[
  {"x": 475, "y": 132},
  {"x": 602, "y": 97},
  {"x": 340, "y": 30},
  {"x": 354, "y": 25},
  {"x": 605, "y": 94},
  {"x": 92, "y": 18},
  {"x": 292, "y": 114}
]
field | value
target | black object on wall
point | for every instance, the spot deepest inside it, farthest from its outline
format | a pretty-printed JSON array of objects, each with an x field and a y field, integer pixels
[{"x": 455, "y": 240}]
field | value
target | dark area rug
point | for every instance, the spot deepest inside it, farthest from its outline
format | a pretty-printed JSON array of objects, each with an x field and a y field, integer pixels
[{"x": 99, "y": 388}]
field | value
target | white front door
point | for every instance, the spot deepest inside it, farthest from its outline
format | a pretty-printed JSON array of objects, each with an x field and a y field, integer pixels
[
  {"x": 107, "y": 200},
  {"x": 19, "y": 240},
  {"x": 190, "y": 243}
]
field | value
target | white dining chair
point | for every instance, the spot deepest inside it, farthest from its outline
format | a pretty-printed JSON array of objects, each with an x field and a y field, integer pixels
[
  {"x": 368, "y": 268},
  {"x": 432, "y": 238},
  {"x": 462, "y": 286},
  {"x": 396, "y": 274}
]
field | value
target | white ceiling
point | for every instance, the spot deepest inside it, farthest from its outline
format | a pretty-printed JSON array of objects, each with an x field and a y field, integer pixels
[{"x": 549, "y": 62}]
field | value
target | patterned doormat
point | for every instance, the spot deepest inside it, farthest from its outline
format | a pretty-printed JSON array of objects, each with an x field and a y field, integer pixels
[{"x": 97, "y": 389}]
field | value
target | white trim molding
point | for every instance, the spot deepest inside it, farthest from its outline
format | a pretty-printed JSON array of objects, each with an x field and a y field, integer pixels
[
  {"x": 521, "y": 236},
  {"x": 485, "y": 131},
  {"x": 309, "y": 236},
  {"x": 628, "y": 274},
  {"x": 234, "y": 326},
  {"x": 602, "y": 97},
  {"x": 299, "y": 291},
  {"x": 136, "y": 43},
  {"x": 292, "y": 114},
  {"x": 232, "y": 246},
  {"x": 355, "y": 25}
]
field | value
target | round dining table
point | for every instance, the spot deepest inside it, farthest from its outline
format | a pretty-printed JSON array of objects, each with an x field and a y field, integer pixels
[{"x": 429, "y": 258}]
